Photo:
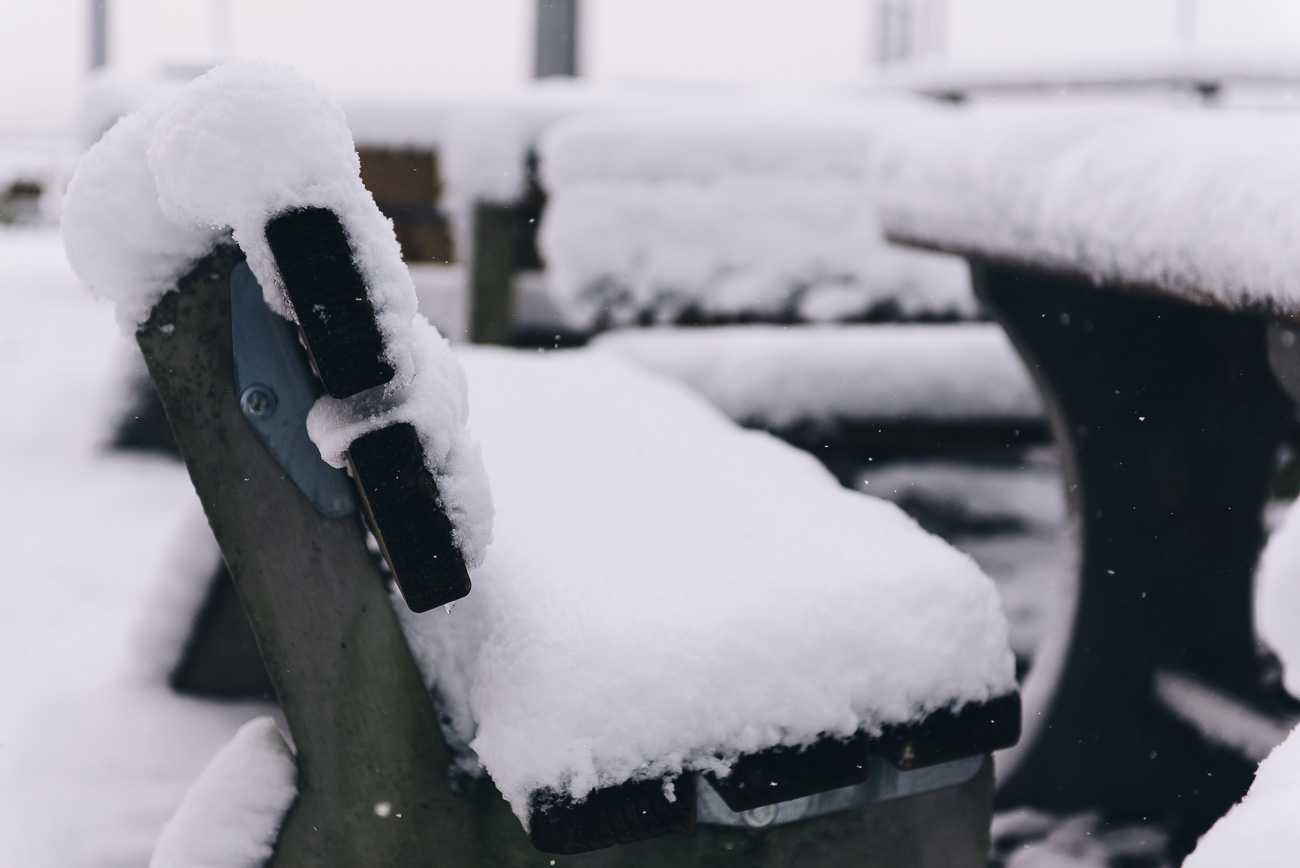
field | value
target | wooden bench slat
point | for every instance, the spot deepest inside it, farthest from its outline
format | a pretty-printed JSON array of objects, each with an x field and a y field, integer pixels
[
  {"x": 329, "y": 299},
  {"x": 402, "y": 503}
]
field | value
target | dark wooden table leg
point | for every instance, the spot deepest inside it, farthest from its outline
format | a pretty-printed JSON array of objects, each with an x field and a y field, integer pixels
[
  {"x": 491, "y": 274},
  {"x": 1169, "y": 421}
]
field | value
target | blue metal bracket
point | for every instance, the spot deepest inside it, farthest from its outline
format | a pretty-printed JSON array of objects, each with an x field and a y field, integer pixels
[{"x": 276, "y": 390}]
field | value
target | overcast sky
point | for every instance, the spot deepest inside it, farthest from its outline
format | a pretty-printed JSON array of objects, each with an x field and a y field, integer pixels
[{"x": 415, "y": 47}]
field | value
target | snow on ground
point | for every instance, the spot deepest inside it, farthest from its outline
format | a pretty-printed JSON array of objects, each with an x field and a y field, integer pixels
[
  {"x": 1027, "y": 838},
  {"x": 1277, "y": 597},
  {"x": 94, "y": 755},
  {"x": 1198, "y": 203},
  {"x": 1261, "y": 831},
  {"x": 231, "y": 817}
]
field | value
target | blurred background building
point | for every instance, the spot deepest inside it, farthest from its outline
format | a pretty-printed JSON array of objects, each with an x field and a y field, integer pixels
[{"x": 415, "y": 48}]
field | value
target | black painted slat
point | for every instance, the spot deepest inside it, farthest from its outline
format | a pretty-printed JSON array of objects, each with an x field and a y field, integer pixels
[
  {"x": 329, "y": 299},
  {"x": 402, "y": 503},
  {"x": 639, "y": 810},
  {"x": 780, "y": 774},
  {"x": 946, "y": 735},
  {"x": 630, "y": 812}
]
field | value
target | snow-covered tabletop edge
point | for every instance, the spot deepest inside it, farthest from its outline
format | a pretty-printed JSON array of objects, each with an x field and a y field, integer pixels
[{"x": 1201, "y": 205}]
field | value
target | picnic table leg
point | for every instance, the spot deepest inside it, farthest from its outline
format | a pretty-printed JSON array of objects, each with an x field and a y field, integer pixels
[
  {"x": 1169, "y": 421},
  {"x": 491, "y": 274}
]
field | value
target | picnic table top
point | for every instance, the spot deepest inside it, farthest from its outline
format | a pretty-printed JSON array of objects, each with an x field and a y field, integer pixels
[{"x": 1195, "y": 204}]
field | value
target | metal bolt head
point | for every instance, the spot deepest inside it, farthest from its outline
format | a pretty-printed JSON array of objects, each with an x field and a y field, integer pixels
[
  {"x": 757, "y": 818},
  {"x": 257, "y": 402}
]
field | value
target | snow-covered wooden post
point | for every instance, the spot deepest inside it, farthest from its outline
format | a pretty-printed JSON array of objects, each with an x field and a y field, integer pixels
[{"x": 1137, "y": 260}]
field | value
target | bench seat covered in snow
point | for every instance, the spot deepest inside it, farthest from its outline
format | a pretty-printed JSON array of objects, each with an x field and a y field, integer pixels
[
  {"x": 858, "y": 389},
  {"x": 666, "y": 593},
  {"x": 1142, "y": 261}
]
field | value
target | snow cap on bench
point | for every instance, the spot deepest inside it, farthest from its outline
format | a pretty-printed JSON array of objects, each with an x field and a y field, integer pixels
[
  {"x": 1204, "y": 204},
  {"x": 234, "y": 148},
  {"x": 667, "y": 591}
]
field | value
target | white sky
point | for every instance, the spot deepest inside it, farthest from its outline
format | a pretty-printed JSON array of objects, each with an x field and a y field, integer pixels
[{"x": 414, "y": 47}]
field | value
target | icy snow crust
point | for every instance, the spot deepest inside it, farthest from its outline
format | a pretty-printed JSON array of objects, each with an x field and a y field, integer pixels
[
  {"x": 667, "y": 591},
  {"x": 230, "y": 150},
  {"x": 775, "y": 377},
  {"x": 1202, "y": 204},
  {"x": 727, "y": 212},
  {"x": 1261, "y": 831},
  {"x": 231, "y": 815}
]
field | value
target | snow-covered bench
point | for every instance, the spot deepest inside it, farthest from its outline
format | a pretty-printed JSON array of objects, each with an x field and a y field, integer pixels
[
  {"x": 760, "y": 211},
  {"x": 677, "y": 623},
  {"x": 1141, "y": 261},
  {"x": 849, "y": 392}
]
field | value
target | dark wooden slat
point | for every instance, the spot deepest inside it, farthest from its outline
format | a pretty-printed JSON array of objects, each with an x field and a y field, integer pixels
[
  {"x": 947, "y": 735},
  {"x": 780, "y": 774},
  {"x": 329, "y": 299},
  {"x": 630, "y": 812},
  {"x": 405, "y": 512},
  {"x": 639, "y": 810}
]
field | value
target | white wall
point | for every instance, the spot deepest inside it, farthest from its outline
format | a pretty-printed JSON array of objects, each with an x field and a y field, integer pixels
[
  {"x": 415, "y": 47},
  {"x": 728, "y": 41}
]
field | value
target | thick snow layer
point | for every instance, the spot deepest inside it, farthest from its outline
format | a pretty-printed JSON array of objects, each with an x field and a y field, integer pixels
[
  {"x": 667, "y": 591},
  {"x": 436, "y": 402},
  {"x": 232, "y": 814},
  {"x": 1198, "y": 203},
  {"x": 235, "y": 147},
  {"x": 727, "y": 213},
  {"x": 117, "y": 238},
  {"x": 250, "y": 140},
  {"x": 93, "y": 758},
  {"x": 1261, "y": 831},
  {"x": 776, "y": 377},
  {"x": 1277, "y": 597}
]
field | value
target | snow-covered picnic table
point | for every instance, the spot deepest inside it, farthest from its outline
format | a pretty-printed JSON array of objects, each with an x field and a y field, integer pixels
[
  {"x": 664, "y": 596},
  {"x": 729, "y": 213},
  {"x": 1142, "y": 261}
]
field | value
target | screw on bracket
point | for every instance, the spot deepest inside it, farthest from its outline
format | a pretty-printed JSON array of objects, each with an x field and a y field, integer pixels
[{"x": 257, "y": 402}]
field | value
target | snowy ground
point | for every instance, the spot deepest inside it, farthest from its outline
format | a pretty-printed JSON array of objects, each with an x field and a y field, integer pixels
[{"x": 95, "y": 753}]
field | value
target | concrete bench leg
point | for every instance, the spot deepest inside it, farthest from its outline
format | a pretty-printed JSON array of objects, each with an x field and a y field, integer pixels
[
  {"x": 361, "y": 721},
  {"x": 1169, "y": 421}
]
